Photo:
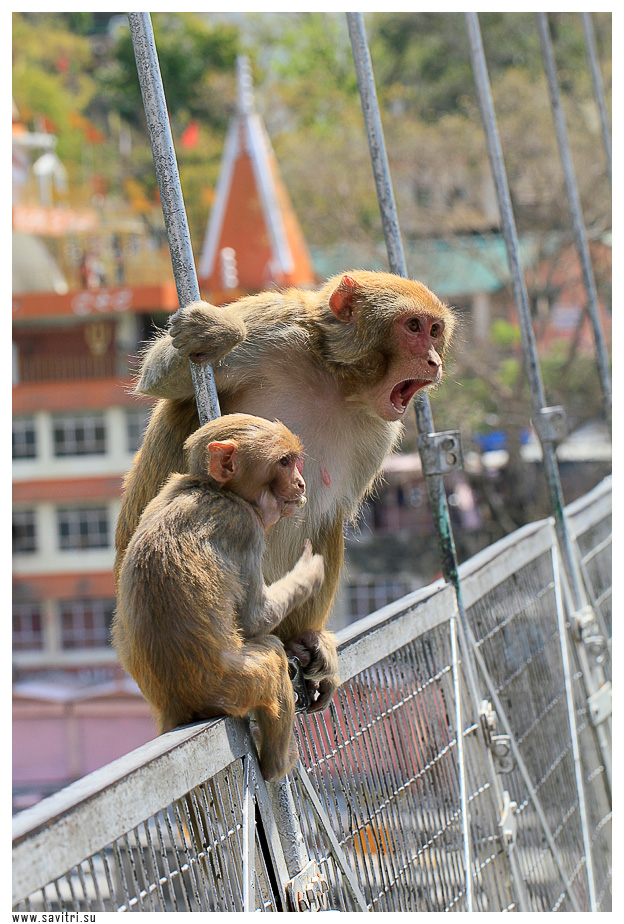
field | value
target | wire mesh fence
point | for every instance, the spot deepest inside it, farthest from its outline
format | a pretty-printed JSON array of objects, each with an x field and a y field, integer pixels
[{"x": 410, "y": 794}]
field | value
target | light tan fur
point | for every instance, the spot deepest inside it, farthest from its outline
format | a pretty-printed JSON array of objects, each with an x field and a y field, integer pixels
[
  {"x": 194, "y": 618},
  {"x": 331, "y": 364}
]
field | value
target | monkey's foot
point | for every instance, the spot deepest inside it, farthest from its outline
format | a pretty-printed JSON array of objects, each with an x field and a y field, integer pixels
[
  {"x": 204, "y": 332},
  {"x": 275, "y": 762},
  {"x": 321, "y": 692},
  {"x": 317, "y": 654}
]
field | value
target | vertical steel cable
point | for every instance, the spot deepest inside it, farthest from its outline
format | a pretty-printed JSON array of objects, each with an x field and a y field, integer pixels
[
  {"x": 424, "y": 418},
  {"x": 576, "y": 215},
  {"x": 594, "y": 66},
  {"x": 396, "y": 259},
  {"x": 592, "y": 678},
  {"x": 170, "y": 194},
  {"x": 538, "y": 401}
]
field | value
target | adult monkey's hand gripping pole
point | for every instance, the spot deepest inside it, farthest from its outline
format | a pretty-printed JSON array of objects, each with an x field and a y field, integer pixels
[{"x": 174, "y": 212}]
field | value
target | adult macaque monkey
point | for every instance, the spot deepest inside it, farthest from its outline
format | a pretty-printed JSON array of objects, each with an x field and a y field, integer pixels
[
  {"x": 194, "y": 616},
  {"x": 339, "y": 366}
]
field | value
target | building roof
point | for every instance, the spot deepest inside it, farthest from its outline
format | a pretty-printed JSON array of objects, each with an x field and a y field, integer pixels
[
  {"x": 253, "y": 238},
  {"x": 34, "y": 267},
  {"x": 462, "y": 265}
]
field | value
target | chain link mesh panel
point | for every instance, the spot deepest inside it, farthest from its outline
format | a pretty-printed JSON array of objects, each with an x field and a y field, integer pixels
[
  {"x": 384, "y": 761},
  {"x": 516, "y": 630},
  {"x": 187, "y": 857}
]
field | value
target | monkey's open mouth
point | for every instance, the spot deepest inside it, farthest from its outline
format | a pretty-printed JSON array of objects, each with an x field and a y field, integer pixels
[{"x": 402, "y": 394}]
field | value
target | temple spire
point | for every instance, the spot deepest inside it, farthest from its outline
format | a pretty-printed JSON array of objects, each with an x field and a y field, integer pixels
[{"x": 253, "y": 238}]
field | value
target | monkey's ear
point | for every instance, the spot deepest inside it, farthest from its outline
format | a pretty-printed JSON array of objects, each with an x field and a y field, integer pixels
[
  {"x": 223, "y": 460},
  {"x": 342, "y": 299}
]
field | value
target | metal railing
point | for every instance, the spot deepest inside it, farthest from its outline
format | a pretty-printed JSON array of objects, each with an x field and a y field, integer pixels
[{"x": 374, "y": 809}]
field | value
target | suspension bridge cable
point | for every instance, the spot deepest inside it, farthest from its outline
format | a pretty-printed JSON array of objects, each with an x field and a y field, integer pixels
[
  {"x": 576, "y": 215},
  {"x": 168, "y": 177}
]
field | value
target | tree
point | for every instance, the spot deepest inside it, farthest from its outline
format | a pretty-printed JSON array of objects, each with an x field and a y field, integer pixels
[
  {"x": 193, "y": 57},
  {"x": 52, "y": 78}
]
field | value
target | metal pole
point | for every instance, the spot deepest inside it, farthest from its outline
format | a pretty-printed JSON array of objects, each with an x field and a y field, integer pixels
[
  {"x": 521, "y": 298},
  {"x": 168, "y": 178},
  {"x": 576, "y": 215},
  {"x": 594, "y": 66},
  {"x": 424, "y": 417},
  {"x": 396, "y": 259},
  {"x": 592, "y": 678}
]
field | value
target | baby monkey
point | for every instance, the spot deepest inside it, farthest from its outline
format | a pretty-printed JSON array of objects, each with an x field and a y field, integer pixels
[{"x": 194, "y": 616}]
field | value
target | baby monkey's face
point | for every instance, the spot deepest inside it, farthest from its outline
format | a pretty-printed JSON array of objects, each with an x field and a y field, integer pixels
[{"x": 288, "y": 485}]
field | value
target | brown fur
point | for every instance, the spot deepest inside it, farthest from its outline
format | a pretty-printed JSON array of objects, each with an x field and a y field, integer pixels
[
  {"x": 323, "y": 361},
  {"x": 194, "y": 618}
]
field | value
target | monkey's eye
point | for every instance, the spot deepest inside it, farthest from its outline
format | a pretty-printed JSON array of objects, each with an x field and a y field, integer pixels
[
  {"x": 436, "y": 330},
  {"x": 285, "y": 461},
  {"x": 413, "y": 324}
]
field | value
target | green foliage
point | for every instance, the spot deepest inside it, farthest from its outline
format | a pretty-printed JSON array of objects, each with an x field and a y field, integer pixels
[
  {"x": 571, "y": 379},
  {"x": 190, "y": 53},
  {"x": 504, "y": 334},
  {"x": 425, "y": 56},
  {"x": 52, "y": 78}
]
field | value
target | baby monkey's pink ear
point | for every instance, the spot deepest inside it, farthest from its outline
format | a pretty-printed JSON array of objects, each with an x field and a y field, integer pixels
[
  {"x": 223, "y": 460},
  {"x": 342, "y": 299}
]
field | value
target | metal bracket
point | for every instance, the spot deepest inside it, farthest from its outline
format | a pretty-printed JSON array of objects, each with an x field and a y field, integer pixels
[
  {"x": 487, "y": 717},
  {"x": 308, "y": 890},
  {"x": 586, "y": 629},
  {"x": 441, "y": 453},
  {"x": 600, "y": 703},
  {"x": 502, "y": 753},
  {"x": 295, "y": 671},
  {"x": 508, "y": 823},
  {"x": 551, "y": 424},
  {"x": 498, "y": 745}
]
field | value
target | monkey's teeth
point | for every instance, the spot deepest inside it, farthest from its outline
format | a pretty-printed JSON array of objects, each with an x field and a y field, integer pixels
[{"x": 402, "y": 393}]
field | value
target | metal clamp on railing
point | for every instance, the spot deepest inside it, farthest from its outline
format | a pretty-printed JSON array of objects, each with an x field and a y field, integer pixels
[
  {"x": 441, "y": 453},
  {"x": 551, "y": 424},
  {"x": 586, "y": 629},
  {"x": 508, "y": 823},
  {"x": 498, "y": 745},
  {"x": 308, "y": 890}
]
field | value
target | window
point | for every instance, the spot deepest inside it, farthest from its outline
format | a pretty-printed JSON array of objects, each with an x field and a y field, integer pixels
[
  {"x": 136, "y": 422},
  {"x": 24, "y": 438},
  {"x": 86, "y": 623},
  {"x": 84, "y": 528},
  {"x": 24, "y": 531},
  {"x": 27, "y": 627},
  {"x": 79, "y": 434}
]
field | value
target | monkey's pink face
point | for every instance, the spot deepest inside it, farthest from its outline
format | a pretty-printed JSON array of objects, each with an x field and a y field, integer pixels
[
  {"x": 415, "y": 364},
  {"x": 288, "y": 485}
]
